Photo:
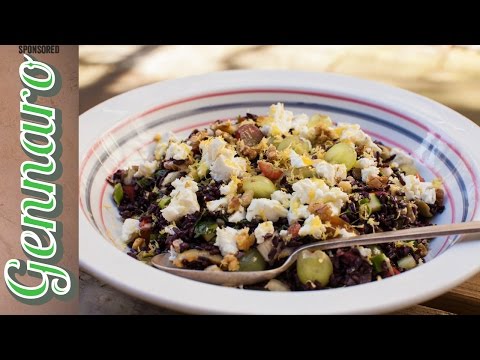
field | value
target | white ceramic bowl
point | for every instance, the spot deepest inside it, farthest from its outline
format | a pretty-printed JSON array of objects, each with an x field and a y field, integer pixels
[{"x": 120, "y": 131}]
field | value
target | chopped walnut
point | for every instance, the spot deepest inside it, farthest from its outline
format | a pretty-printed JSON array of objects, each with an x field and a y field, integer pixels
[
  {"x": 230, "y": 263},
  {"x": 440, "y": 195},
  {"x": 228, "y": 138},
  {"x": 346, "y": 186},
  {"x": 361, "y": 151},
  {"x": 177, "y": 164},
  {"x": 233, "y": 205},
  {"x": 244, "y": 239},
  {"x": 324, "y": 211},
  {"x": 195, "y": 139},
  {"x": 422, "y": 250},
  {"x": 271, "y": 153},
  {"x": 246, "y": 151},
  {"x": 225, "y": 126},
  {"x": 246, "y": 198},
  {"x": 377, "y": 182},
  {"x": 323, "y": 135},
  {"x": 322, "y": 140},
  {"x": 410, "y": 211}
]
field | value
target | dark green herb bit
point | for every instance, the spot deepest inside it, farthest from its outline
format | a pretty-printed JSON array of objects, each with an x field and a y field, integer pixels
[
  {"x": 144, "y": 182},
  {"x": 206, "y": 228}
]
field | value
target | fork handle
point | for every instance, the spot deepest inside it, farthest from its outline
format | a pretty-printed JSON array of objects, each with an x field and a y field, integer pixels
[{"x": 397, "y": 235}]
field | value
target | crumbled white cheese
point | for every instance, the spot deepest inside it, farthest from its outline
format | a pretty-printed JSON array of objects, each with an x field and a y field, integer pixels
[
  {"x": 185, "y": 183},
  {"x": 310, "y": 191},
  {"x": 147, "y": 169},
  {"x": 281, "y": 121},
  {"x": 401, "y": 158},
  {"x": 226, "y": 240},
  {"x": 221, "y": 159},
  {"x": 262, "y": 230},
  {"x": 160, "y": 150},
  {"x": 332, "y": 173},
  {"x": 326, "y": 171},
  {"x": 369, "y": 172},
  {"x": 312, "y": 226},
  {"x": 238, "y": 215},
  {"x": 344, "y": 233},
  {"x": 364, "y": 163},
  {"x": 299, "y": 161},
  {"x": 266, "y": 209},
  {"x": 301, "y": 128},
  {"x": 282, "y": 197},
  {"x": 428, "y": 193},
  {"x": 227, "y": 165},
  {"x": 306, "y": 190},
  {"x": 130, "y": 229},
  {"x": 353, "y": 133},
  {"x": 178, "y": 151},
  {"x": 184, "y": 199},
  {"x": 163, "y": 141},
  {"x": 365, "y": 252},
  {"x": 300, "y": 120},
  {"x": 283, "y": 234},
  {"x": 217, "y": 205},
  {"x": 169, "y": 229},
  {"x": 297, "y": 211},
  {"x": 171, "y": 177},
  {"x": 335, "y": 199},
  {"x": 231, "y": 188},
  {"x": 416, "y": 189},
  {"x": 211, "y": 149},
  {"x": 386, "y": 171}
]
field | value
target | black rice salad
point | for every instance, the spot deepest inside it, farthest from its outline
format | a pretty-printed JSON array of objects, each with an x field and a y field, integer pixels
[{"x": 244, "y": 193}]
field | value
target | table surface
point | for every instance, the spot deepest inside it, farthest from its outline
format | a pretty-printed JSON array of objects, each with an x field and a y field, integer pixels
[{"x": 448, "y": 74}]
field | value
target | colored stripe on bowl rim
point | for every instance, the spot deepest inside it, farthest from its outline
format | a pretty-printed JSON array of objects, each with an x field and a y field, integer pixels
[{"x": 431, "y": 147}]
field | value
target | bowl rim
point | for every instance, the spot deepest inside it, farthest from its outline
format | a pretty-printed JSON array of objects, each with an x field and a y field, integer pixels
[{"x": 186, "y": 295}]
